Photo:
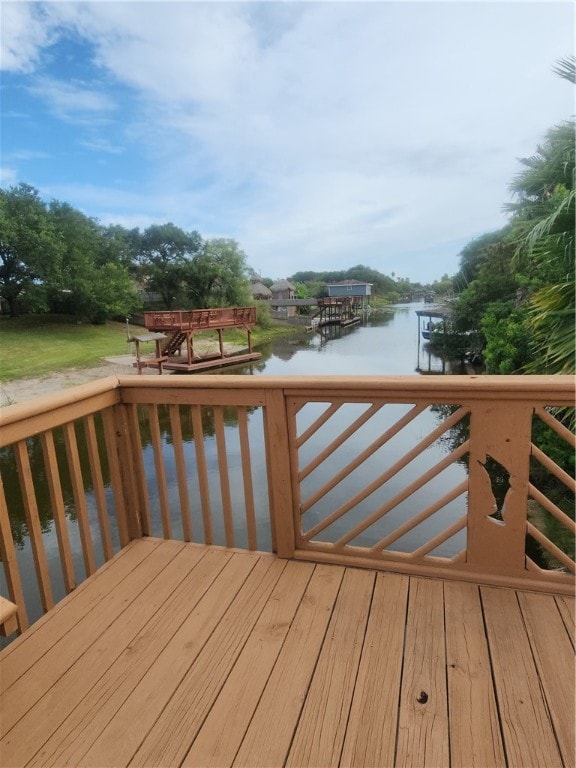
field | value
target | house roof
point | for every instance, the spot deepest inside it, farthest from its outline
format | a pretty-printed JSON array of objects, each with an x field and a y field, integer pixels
[
  {"x": 282, "y": 285},
  {"x": 348, "y": 282},
  {"x": 259, "y": 289}
]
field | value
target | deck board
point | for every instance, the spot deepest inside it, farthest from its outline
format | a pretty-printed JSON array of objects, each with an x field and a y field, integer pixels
[
  {"x": 475, "y": 732},
  {"x": 528, "y": 733},
  {"x": 178, "y": 654},
  {"x": 371, "y": 741},
  {"x": 423, "y": 719},
  {"x": 322, "y": 726}
]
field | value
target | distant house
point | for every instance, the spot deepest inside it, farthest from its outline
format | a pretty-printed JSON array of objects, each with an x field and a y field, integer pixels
[
  {"x": 283, "y": 292},
  {"x": 259, "y": 291},
  {"x": 283, "y": 289},
  {"x": 349, "y": 288}
]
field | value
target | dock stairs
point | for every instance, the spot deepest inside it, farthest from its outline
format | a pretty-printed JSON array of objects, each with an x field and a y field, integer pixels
[{"x": 174, "y": 343}]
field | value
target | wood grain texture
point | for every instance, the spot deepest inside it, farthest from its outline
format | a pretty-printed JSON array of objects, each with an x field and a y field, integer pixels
[
  {"x": 214, "y": 745},
  {"x": 169, "y": 739},
  {"x": 554, "y": 656},
  {"x": 322, "y": 726},
  {"x": 269, "y": 736},
  {"x": 423, "y": 720},
  {"x": 524, "y": 715},
  {"x": 178, "y": 590},
  {"x": 371, "y": 732},
  {"x": 475, "y": 738},
  {"x": 181, "y": 654}
]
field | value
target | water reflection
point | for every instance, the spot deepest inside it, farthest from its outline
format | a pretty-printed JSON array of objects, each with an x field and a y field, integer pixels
[{"x": 385, "y": 343}]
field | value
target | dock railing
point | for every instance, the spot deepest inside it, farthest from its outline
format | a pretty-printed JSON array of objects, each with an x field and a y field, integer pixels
[
  {"x": 200, "y": 319},
  {"x": 446, "y": 477}
]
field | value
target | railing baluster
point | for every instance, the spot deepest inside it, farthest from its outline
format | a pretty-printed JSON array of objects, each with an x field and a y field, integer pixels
[
  {"x": 387, "y": 435},
  {"x": 247, "y": 477},
  {"x": 160, "y": 470},
  {"x": 98, "y": 486},
  {"x": 110, "y": 435},
  {"x": 10, "y": 563},
  {"x": 137, "y": 470},
  {"x": 443, "y": 536},
  {"x": 33, "y": 521},
  {"x": 555, "y": 551},
  {"x": 58, "y": 511},
  {"x": 419, "y": 518},
  {"x": 224, "y": 475},
  {"x": 556, "y": 426},
  {"x": 177, "y": 444},
  {"x": 202, "y": 474},
  {"x": 399, "y": 497},
  {"x": 79, "y": 498}
]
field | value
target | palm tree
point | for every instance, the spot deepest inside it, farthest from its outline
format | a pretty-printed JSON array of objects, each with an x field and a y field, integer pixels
[{"x": 544, "y": 225}]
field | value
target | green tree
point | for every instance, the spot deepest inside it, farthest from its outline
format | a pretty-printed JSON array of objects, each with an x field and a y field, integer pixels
[
  {"x": 544, "y": 216},
  {"x": 219, "y": 275},
  {"x": 91, "y": 282},
  {"x": 507, "y": 337},
  {"x": 488, "y": 262},
  {"x": 119, "y": 245},
  {"x": 30, "y": 251},
  {"x": 472, "y": 256},
  {"x": 165, "y": 259}
]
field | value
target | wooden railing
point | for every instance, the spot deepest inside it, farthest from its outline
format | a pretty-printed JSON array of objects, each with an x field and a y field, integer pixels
[
  {"x": 200, "y": 319},
  {"x": 432, "y": 476}
]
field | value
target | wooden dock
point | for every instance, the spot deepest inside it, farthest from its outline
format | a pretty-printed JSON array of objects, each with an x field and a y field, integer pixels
[
  {"x": 339, "y": 310},
  {"x": 182, "y": 654},
  {"x": 178, "y": 328}
]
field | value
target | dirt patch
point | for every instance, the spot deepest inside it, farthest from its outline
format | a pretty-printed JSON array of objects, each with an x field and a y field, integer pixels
[{"x": 21, "y": 390}]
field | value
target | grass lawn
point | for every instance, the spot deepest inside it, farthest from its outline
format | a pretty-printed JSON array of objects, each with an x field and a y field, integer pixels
[{"x": 34, "y": 345}]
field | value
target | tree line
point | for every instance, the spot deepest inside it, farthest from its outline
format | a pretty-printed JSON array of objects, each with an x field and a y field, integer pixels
[
  {"x": 515, "y": 287},
  {"x": 54, "y": 258}
]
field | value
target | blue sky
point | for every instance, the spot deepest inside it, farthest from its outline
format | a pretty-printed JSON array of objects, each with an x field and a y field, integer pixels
[{"x": 318, "y": 135}]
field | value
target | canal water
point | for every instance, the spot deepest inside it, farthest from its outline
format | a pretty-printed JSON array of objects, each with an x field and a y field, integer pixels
[{"x": 386, "y": 342}]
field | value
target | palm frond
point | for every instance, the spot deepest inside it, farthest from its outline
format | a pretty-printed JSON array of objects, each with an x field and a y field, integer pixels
[{"x": 566, "y": 68}]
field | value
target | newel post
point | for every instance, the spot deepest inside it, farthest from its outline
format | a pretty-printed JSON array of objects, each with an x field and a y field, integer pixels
[
  {"x": 279, "y": 480},
  {"x": 131, "y": 485},
  {"x": 499, "y": 432}
]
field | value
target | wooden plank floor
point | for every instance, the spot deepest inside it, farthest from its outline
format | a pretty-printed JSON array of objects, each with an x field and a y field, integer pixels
[{"x": 176, "y": 654}]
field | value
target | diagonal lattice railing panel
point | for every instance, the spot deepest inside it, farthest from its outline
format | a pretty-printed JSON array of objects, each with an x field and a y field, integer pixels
[
  {"x": 388, "y": 478},
  {"x": 550, "y": 525}
]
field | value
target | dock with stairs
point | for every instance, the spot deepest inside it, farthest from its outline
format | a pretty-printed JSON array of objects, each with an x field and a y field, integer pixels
[{"x": 180, "y": 327}]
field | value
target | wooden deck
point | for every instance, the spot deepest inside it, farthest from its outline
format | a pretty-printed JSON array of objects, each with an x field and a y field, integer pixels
[{"x": 180, "y": 654}]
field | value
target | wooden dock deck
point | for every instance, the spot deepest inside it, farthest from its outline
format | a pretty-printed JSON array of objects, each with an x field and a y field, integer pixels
[
  {"x": 177, "y": 353},
  {"x": 177, "y": 654}
]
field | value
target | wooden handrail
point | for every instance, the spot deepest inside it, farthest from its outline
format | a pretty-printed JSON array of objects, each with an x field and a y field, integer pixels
[{"x": 132, "y": 472}]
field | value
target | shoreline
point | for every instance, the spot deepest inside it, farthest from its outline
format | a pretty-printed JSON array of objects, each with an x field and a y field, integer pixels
[{"x": 22, "y": 390}]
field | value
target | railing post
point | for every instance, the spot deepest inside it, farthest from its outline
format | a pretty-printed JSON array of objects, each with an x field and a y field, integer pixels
[
  {"x": 500, "y": 431},
  {"x": 129, "y": 464},
  {"x": 279, "y": 481}
]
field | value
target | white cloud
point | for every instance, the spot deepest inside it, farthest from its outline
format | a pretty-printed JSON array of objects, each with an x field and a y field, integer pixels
[
  {"x": 102, "y": 145},
  {"x": 72, "y": 100},
  {"x": 322, "y": 133},
  {"x": 24, "y": 32},
  {"x": 8, "y": 177}
]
